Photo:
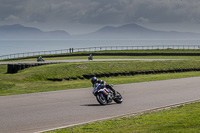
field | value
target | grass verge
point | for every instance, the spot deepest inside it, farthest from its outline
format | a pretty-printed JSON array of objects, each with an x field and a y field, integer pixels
[
  {"x": 65, "y": 70},
  {"x": 33, "y": 80},
  {"x": 14, "y": 87},
  {"x": 181, "y": 119}
]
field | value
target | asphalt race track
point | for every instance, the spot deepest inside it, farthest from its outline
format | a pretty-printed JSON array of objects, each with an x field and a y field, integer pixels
[
  {"x": 84, "y": 60},
  {"x": 43, "y": 111}
]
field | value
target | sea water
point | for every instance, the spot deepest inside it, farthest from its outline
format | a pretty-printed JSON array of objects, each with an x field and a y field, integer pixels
[{"x": 22, "y": 46}]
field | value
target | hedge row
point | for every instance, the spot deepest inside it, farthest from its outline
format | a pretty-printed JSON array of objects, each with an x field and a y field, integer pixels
[{"x": 100, "y": 75}]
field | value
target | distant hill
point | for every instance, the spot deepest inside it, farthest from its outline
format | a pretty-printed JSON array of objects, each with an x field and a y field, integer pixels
[
  {"x": 18, "y": 31},
  {"x": 134, "y": 31},
  {"x": 128, "y": 31}
]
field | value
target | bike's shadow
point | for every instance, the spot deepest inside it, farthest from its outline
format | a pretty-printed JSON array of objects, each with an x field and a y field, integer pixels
[{"x": 98, "y": 104}]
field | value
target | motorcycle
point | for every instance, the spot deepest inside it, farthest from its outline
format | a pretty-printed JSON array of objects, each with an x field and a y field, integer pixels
[
  {"x": 40, "y": 59},
  {"x": 104, "y": 95},
  {"x": 90, "y": 57}
]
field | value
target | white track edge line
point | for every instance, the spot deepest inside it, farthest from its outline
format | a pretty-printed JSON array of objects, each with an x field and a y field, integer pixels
[{"x": 117, "y": 116}]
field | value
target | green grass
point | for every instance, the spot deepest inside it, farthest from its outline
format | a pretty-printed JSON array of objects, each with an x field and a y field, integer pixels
[
  {"x": 23, "y": 87},
  {"x": 3, "y": 69},
  {"x": 65, "y": 70},
  {"x": 182, "y": 119},
  {"x": 34, "y": 79}
]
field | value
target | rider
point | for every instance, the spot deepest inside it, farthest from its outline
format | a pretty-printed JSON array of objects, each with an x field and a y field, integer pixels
[
  {"x": 40, "y": 58},
  {"x": 90, "y": 57},
  {"x": 96, "y": 81}
]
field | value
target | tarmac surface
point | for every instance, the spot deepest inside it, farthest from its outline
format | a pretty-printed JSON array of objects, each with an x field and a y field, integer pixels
[
  {"x": 84, "y": 60},
  {"x": 39, "y": 112}
]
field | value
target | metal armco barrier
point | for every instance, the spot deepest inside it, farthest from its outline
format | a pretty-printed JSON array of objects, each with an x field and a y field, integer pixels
[{"x": 90, "y": 49}]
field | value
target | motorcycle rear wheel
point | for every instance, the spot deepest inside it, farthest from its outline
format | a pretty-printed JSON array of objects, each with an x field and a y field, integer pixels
[{"x": 119, "y": 98}]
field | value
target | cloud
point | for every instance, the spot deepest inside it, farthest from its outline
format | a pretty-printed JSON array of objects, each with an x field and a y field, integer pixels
[
  {"x": 143, "y": 20},
  {"x": 12, "y": 18},
  {"x": 101, "y": 11}
]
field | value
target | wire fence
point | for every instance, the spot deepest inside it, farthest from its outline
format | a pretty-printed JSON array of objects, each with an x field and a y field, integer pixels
[{"x": 93, "y": 49}]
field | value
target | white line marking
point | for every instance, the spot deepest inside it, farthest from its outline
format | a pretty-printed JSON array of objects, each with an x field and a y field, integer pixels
[{"x": 117, "y": 116}]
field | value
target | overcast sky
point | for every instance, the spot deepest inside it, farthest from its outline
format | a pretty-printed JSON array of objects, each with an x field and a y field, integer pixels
[{"x": 82, "y": 16}]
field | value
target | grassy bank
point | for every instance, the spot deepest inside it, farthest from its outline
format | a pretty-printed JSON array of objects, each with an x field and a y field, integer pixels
[
  {"x": 182, "y": 119},
  {"x": 65, "y": 70},
  {"x": 34, "y": 79},
  {"x": 23, "y": 87}
]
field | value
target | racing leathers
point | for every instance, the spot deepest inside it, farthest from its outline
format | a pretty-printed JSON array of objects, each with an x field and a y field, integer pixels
[{"x": 102, "y": 85}]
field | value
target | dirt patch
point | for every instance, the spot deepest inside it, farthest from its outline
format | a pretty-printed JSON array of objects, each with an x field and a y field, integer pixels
[{"x": 81, "y": 67}]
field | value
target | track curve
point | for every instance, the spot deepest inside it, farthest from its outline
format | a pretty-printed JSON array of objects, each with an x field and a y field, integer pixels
[
  {"x": 43, "y": 111},
  {"x": 84, "y": 60}
]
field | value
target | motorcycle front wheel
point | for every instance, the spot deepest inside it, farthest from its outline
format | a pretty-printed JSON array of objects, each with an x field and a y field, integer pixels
[{"x": 101, "y": 99}]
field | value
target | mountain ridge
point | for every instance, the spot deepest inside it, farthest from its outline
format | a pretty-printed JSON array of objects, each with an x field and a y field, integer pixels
[
  {"x": 127, "y": 31},
  {"x": 18, "y": 31},
  {"x": 134, "y": 31}
]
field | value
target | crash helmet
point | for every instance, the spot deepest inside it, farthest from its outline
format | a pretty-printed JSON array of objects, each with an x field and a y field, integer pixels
[
  {"x": 101, "y": 81},
  {"x": 94, "y": 80}
]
